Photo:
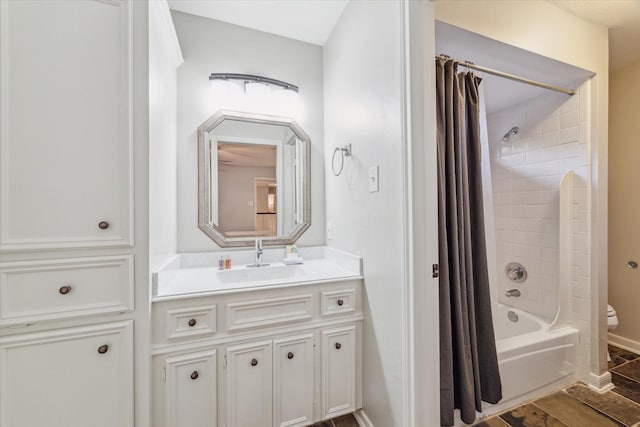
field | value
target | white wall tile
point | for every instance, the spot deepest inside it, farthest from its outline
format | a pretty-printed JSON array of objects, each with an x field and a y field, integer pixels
[{"x": 527, "y": 172}]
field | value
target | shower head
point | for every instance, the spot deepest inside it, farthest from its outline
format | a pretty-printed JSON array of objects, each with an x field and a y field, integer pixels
[{"x": 513, "y": 131}]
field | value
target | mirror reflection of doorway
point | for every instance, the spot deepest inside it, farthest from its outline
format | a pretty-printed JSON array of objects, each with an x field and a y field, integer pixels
[
  {"x": 247, "y": 177},
  {"x": 265, "y": 205}
]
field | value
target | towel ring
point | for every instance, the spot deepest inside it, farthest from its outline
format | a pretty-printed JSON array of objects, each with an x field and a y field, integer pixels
[{"x": 344, "y": 152}]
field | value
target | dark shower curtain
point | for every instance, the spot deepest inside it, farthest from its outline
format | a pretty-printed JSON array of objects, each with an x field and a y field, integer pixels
[{"x": 468, "y": 362}]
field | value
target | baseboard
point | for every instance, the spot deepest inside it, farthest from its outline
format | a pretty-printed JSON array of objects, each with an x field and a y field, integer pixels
[
  {"x": 362, "y": 419},
  {"x": 624, "y": 343},
  {"x": 600, "y": 383}
]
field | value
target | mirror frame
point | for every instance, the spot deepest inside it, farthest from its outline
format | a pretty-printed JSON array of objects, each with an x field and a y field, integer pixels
[{"x": 205, "y": 206}]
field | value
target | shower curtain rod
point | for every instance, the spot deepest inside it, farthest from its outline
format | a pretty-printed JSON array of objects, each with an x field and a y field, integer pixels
[{"x": 469, "y": 64}]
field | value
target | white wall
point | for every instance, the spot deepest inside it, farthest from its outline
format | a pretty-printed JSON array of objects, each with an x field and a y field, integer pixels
[
  {"x": 624, "y": 229},
  {"x": 364, "y": 106},
  {"x": 542, "y": 28},
  {"x": 164, "y": 58},
  {"x": 211, "y": 46}
]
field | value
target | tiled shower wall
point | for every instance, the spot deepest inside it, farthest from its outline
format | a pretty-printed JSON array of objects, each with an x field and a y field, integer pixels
[{"x": 553, "y": 138}]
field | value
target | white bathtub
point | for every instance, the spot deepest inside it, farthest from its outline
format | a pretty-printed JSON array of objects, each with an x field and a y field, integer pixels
[{"x": 531, "y": 358}]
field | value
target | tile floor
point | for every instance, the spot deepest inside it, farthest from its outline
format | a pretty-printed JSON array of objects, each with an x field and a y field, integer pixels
[
  {"x": 343, "y": 421},
  {"x": 579, "y": 406},
  {"x": 575, "y": 406}
]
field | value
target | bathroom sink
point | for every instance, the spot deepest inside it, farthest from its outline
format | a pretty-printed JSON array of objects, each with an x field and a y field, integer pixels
[{"x": 256, "y": 274}]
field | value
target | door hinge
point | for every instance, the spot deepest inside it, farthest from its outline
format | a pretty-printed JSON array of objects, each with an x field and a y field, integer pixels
[{"x": 435, "y": 272}]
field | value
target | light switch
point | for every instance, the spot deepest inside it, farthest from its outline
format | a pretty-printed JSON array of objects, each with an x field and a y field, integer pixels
[{"x": 373, "y": 179}]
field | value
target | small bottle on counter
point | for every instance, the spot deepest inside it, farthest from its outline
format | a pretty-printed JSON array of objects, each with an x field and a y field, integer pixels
[
  {"x": 221, "y": 264},
  {"x": 227, "y": 262}
]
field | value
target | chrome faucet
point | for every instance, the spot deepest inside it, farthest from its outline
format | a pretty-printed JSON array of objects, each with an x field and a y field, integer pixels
[
  {"x": 513, "y": 293},
  {"x": 258, "y": 253}
]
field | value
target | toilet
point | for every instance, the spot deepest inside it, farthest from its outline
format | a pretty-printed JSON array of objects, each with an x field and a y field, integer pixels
[{"x": 612, "y": 323}]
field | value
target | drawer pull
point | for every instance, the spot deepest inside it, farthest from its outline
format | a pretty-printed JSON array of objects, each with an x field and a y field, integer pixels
[
  {"x": 194, "y": 375},
  {"x": 103, "y": 349},
  {"x": 103, "y": 225},
  {"x": 192, "y": 322},
  {"x": 64, "y": 289},
  {"x": 254, "y": 362},
  {"x": 290, "y": 355},
  {"x": 338, "y": 346},
  {"x": 340, "y": 302}
]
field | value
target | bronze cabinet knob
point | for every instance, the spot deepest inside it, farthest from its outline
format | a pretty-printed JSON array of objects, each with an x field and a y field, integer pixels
[
  {"x": 340, "y": 302},
  {"x": 194, "y": 375},
  {"x": 290, "y": 355},
  {"x": 192, "y": 322},
  {"x": 254, "y": 362},
  {"x": 103, "y": 349},
  {"x": 103, "y": 225},
  {"x": 64, "y": 289},
  {"x": 338, "y": 346}
]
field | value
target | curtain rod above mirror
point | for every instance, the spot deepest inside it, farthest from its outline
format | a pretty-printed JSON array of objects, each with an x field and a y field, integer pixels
[{"x": 254, "y": 79}]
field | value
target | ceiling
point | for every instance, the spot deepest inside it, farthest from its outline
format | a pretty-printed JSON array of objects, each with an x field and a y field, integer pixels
[
  {"x": 500, "y": 93},
  {"x": 313, "y": 20},
  {"x": 310, "y": 21},
  {"x": 248, "y": 155},
  {"x": 622, "y": 17}
]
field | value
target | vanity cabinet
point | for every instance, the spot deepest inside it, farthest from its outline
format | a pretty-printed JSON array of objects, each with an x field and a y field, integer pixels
[
  {"x": 191, "y": 390},
  {"x": 287, "y": 356},
  {"x": 73, "y": 377},
  {"x": 293, "y": 380},
  {"x": 69, "y": 105},
  {"x": 249, "y": 385},
  {"x": 338, "y": 371},
  {"x": 271, "y": 380},
  {"x": 67, "y": 124}
]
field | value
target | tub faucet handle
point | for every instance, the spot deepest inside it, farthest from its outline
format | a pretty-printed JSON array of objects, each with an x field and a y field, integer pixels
[
  {"x": 513, "y": 293},
  {"x": 516, "y": 272}
]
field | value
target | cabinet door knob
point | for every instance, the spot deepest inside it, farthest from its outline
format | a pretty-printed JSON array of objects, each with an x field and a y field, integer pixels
[
  {"x": 194, "y": 375},
  {"x": 338, "y": 346},
  {"x": 254, "y": 362},
  {"x": 192, "y": 322},
  {"x": 103, "y": 349},
  {"x": 340, "y": 302},
  {"x": 290, "y": 355},
  {"x": 64, "y": 289},
  {"x": 103, "y": 225}
]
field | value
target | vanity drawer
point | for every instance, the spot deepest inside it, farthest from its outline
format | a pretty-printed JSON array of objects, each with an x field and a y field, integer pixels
[
  {"x": 192, "y": 322},
  {"x": 63, "y": 288},
  {"x": 267, "y": 312},
  {"x": 342, "y": 301}
]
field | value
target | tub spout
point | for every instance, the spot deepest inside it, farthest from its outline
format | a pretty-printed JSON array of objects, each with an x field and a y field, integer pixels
[{"x": 513, "y": 293}]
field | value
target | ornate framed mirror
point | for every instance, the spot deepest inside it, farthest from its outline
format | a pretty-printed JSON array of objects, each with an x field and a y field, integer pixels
[{"x": 254, "y": 179}]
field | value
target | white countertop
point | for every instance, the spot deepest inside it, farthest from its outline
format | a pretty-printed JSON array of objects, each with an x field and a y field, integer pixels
[{"x": 198, "y": 273}]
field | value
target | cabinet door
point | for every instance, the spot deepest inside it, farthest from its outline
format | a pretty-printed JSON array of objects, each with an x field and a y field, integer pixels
[
  {"x": 293, "y": 381},
  {"x": 66, "y": 124},
  {"x": 75, "y": 377},
  {"x": 249, "y": 385},
  {"x": 338, "y": 371},
  {"x": 191, "y": 398}
]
